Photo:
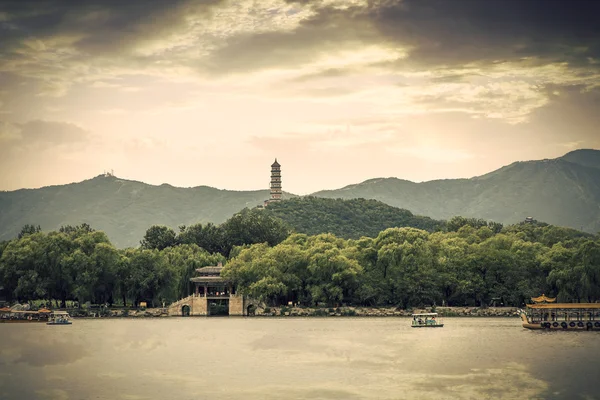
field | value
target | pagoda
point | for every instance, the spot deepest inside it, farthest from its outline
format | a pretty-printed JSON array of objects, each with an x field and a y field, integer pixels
[{"x": 275, "y": 182}]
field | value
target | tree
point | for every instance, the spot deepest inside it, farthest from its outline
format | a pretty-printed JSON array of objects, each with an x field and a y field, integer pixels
[
  {"x": 76, "y": 230},
  {"x": 182, "y": 261},
  {"x": 209, "y": 237},
  {"x": 28, "y": 230},
  {"x": 253, "y": 226},
  {"x": 159, "y": 237},
  {"x": 22, "y": 268},
  {"x": 588, "y": 256},
  {"x": 146, "y": 275},
  {"x": 457, "y": 222},
  {"x": 564, "y": 276},
  {"x": 333, "y": 278}
]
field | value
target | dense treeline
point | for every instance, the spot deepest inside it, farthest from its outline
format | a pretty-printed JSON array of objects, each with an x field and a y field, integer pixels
[
  {"x": 78, "y": 263},
  {"x": 468, "y": 265},
  {"x": 349, "y": 219},
  {"x": 470, "y": 262}
]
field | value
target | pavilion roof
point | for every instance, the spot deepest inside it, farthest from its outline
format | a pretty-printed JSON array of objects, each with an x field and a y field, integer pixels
[
  {"x": 210, "y": 270},
  {"x": 208, "y": 279}
]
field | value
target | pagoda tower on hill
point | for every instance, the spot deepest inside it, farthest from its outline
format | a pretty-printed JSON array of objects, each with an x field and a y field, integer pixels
[{"x": 275, "y": 182}]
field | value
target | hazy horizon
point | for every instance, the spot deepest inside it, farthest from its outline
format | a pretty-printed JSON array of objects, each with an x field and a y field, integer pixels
[
  {"x": 208, "y": 93},
  {"x": 115, "y": 175}
]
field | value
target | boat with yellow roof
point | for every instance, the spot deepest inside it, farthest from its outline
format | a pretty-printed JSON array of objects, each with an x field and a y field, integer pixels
[{"x": 546, "y": 313}]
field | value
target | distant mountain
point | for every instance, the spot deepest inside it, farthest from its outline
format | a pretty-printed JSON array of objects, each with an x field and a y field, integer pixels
[
  {"x": 563, "y": 191},
  {"x": 349, "y": 219},
  {"x": 585, "y": 157},
  {"x": 123, "y": 209}
]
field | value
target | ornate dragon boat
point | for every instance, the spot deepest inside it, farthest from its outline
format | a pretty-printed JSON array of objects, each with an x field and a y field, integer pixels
[{"x": 545, "y": 313}]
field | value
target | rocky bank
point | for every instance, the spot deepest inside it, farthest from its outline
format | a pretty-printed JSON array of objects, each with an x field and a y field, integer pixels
[{"x": 317, "y": 312}]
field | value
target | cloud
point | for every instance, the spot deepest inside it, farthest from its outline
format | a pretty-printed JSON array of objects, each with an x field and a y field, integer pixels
[
  {"x": 322, "y": 32},
  {"x": 9, "y": 132},
  {"x": 94, "y": 27},
  {"x": 237, "y": 36},
  {"x": 44, "y": 133},
  {"x": 436, "y": 50},
  {"x": 410, "y": 78},
  {"x": 464, "y": 31},
  {"x": 28, "y": 143}
]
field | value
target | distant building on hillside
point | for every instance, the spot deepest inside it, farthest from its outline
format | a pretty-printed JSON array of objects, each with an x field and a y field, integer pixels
[
  {"x": 276, "y": 192},
  {"x": 275, "y": 181},
  {"x": 529, "y": 220}
]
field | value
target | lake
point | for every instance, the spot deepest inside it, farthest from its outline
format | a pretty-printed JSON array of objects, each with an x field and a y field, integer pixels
[{"x": 295, "y": 358}]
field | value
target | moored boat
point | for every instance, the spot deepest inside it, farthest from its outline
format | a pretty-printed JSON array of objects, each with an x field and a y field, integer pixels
[
  {"x": 546, "y": 314},
  {"x": 8, "y": 315},
  {"x": 59, "y": 318},
  {"x": 427, "y": 320}
]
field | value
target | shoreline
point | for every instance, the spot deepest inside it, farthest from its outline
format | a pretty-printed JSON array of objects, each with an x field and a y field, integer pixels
[{"x": 313, "y": 312}]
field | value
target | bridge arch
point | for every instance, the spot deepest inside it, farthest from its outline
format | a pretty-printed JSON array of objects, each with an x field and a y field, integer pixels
[{"x": 185, "y": 310}]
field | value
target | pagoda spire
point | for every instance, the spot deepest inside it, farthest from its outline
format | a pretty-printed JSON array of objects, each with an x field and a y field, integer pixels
[{"x": 276, "y": 192}]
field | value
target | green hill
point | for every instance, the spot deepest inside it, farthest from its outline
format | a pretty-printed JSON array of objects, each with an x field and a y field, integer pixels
[
  {"x": 123, "y": 209},
  {"x": 349, "y": 219},
  {"x": 563, "y": 191}
]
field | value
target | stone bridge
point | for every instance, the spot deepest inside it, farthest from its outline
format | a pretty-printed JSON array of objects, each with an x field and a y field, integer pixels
[{"x": 197, "y": 305}]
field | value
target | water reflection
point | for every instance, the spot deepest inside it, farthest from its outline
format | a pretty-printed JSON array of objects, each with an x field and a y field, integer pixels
[
  {"x": 351, "y": 358},
  {"x": 33, "y": 348}
]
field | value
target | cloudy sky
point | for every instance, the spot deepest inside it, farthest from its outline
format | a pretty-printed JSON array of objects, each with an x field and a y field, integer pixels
[{"x": 209, "y": 92}]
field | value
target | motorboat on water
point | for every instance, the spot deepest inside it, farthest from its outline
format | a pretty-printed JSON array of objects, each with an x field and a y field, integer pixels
[
  {"x": 427, "y": 320},
  {"x": 59, "y": 318}
]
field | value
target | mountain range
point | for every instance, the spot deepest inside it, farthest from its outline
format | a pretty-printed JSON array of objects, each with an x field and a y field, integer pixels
[{"x": 564, "y": 191}]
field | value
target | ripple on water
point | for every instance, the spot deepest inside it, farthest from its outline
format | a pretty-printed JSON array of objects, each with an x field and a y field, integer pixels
[{"x": 324, "y": 358}]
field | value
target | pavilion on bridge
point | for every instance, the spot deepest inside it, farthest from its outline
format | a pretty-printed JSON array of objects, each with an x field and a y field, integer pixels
[{"x": 213, "y": 295}]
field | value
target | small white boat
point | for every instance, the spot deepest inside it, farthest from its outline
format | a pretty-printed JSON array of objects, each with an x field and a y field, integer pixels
[
  {"x": 59, "y": 318},
  {"x": 427, "y": 320}
]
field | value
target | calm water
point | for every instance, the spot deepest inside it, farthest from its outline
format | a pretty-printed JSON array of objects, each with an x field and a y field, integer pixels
[{"x": 329, "y": 358}]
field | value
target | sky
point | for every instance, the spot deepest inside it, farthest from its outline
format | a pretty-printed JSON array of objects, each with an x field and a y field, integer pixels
[{"x": 193, "y": 92}]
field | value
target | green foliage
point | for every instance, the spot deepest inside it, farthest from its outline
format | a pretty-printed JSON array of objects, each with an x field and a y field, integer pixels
[
  {"x": 209, "y": 237},
  {"x": 457, "y": 222},
  {"x": 408, "y": 267},
  {"x": 74, "y": 230},
  {"x": 28, "y": 230},
  {"x": 253, "y": 226},
  {"x": 242, "y": 229},
  {"x": 159, "y": 238},
  {"x": 348, "y": 219},
  {"x": 405, "y": 267}
]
